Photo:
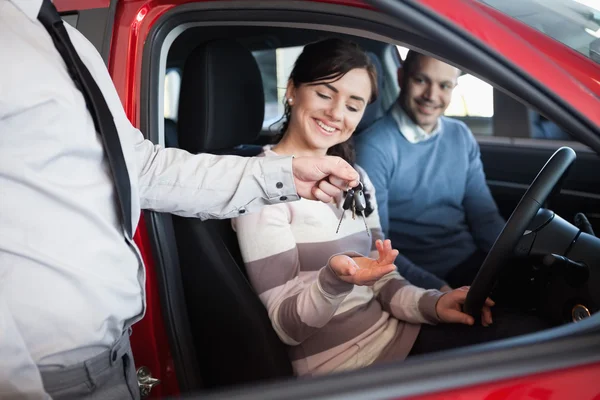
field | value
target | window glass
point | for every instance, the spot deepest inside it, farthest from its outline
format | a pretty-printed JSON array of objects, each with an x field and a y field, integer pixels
[
  {"x": 275, "y": 67},
  {"x": 575, "y": 23},
  {"x": 472, "y": 97},
  {"x": 490, "y": 112},
  {"x": 172, "y": 87},
  {"x": 472, "y": 102}
]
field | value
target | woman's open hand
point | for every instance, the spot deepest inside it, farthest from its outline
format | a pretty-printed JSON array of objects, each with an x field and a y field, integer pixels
[{"x": 364, "y": 270}]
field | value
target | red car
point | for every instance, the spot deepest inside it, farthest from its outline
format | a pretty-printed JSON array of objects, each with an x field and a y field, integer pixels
[{"x": 531, "y": 85}]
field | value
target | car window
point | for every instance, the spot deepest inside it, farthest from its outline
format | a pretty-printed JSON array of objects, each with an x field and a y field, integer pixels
[
  {"x": 489, "y": 112},
  {"x": 472, "y": 102},
  {"x": 172, "y": 88},
  {"x": 575, "y": 23},
  {"x": 275, "y": 67},
  {"x": 485, "y": 110}
]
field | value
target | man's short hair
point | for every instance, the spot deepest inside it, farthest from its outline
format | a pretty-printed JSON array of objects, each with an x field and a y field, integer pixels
[{"x": 410, "y": 61}]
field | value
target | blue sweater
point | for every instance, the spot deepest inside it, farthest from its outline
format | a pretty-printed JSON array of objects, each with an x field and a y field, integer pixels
[{"x": 434, "y": 203}]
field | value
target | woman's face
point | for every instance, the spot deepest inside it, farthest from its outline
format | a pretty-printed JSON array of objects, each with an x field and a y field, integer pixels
[{"x": 325, "y": 114}]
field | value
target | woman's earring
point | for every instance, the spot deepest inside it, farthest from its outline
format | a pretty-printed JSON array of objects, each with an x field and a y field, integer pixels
[{"x": 290, "y": 100}]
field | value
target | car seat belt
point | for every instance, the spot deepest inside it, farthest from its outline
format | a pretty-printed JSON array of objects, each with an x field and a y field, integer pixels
[{"x": 96, "y": 104}]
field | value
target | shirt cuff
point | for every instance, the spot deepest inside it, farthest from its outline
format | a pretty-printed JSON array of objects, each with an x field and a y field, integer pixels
[
  {"x": 427, "y": 305},
  {"x": 279, "y": 179}
]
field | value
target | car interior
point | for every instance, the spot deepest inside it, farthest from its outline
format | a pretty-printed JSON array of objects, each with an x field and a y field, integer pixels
[{"x": 218, "y": 328}]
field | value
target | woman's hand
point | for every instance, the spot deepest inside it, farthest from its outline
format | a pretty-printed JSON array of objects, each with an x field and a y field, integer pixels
[
  {"x": 449, "y": 308},
  {"x": 363, "y": 270}
]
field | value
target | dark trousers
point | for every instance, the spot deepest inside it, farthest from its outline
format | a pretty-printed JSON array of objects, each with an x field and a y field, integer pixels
[
  {"x": 464, "y": 273},
  {"x": 506, "y": 323},
  {"x": 512, "y": 286},
  {"x": 110, "y": 375}
]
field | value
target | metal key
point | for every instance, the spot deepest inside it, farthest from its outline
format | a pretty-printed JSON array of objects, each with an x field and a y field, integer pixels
[
  {"x": 355, "y": 200},
  {"x": 348, "y": 203},
  {"x": 359, "y": 198},
  {"x": 360, "y": 204}
]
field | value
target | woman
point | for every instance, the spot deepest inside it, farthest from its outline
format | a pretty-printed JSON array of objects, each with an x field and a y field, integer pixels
[{"x": 334, "y": 307}]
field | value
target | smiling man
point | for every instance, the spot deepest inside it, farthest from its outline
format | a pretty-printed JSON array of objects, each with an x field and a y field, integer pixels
[{"x": 433, "y": 200}]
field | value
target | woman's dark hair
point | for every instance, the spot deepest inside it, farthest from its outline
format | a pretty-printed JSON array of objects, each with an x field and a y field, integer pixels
[{"x": 327, "y": 61}]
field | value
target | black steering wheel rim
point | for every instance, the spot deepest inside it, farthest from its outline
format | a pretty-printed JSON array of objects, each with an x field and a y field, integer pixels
[{"x": 549, "y": 177}]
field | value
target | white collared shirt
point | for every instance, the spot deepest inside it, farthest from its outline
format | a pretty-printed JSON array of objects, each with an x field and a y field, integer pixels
[
  {"x": 411, "y": 131},
  {"x": 69, "y": 281}
]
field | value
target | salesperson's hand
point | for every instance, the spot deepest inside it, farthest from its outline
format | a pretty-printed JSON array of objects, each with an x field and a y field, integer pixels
[{"x": 322, "y": 178}]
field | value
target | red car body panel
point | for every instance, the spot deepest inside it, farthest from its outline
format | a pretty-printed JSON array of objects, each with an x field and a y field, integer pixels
[
  {"x": 572, "y": 383},
  {"x": 564, "y": 71},
  {"x": 79, "y": 5},
  {"x": 551, "y": 63}
]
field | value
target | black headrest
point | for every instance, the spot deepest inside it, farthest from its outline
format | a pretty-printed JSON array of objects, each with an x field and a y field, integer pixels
[
  {"x": 375, "y": 110},
  {"x": 221, "y": 102}
]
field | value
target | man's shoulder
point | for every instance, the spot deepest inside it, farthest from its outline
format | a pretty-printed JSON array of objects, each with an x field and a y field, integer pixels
[
  {"x": 382, "y": 128},
  {"x": 454, "y": 124},
  {"x": 459, "y": 130}
]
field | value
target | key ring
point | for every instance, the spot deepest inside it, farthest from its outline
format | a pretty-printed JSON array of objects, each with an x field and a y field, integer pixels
[{"x": 355, "y": 200}]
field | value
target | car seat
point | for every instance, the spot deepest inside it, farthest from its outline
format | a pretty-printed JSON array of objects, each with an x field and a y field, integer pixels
[{"x": 221, "y": 106}]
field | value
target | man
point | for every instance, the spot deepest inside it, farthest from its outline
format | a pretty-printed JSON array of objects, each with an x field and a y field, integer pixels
[
  {"x": 433, "y": 200},
  {"x": 71, "y": 278}
]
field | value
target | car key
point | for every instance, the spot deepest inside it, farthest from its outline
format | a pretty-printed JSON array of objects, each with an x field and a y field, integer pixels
[
  {"x": 360, "y": 204},
  {"x": 359, "y": 198},
  {"x": 355, "y": 200},
  {"x": 346, "y": 205}
]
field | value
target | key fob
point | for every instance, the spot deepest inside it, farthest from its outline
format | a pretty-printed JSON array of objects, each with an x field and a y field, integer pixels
[
  {"x": 349, "y": 200},
  {"x": 359, "y": 200}
]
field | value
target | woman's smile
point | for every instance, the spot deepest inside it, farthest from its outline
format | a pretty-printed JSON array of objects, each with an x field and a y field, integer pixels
[{"x": 325, "y": 128}]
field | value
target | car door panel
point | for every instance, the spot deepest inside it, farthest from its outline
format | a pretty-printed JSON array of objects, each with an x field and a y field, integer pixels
[{"x": 511, "y": 167}]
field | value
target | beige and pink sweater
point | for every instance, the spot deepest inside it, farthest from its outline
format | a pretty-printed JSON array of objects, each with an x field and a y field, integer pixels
[{"x": 328, "y": 324}]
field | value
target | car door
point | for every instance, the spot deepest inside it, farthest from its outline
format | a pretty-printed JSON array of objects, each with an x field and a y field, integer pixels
[
  {"x": 513, "y": 150},
  {"x": 93, "y": 18},
  {"x": 515, "y": 140},
  {"x": 133, "y": 62}
]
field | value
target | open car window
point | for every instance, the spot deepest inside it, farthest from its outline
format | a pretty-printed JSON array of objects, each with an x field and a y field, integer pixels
[
  {"x": 275, "y": 66},
  {"x": 489, "y": 112}
]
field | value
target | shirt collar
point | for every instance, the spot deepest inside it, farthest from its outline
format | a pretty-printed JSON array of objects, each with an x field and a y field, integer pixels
[
  {"x": 411, "y": 131},
  {"x": 31, "y": 8}
]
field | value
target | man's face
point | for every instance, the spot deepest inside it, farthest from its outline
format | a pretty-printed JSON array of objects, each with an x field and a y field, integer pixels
[{"x": 426, "y": 90}]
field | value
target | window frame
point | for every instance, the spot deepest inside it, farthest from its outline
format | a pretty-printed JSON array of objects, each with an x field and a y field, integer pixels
[{"x": 564, "y": 347}]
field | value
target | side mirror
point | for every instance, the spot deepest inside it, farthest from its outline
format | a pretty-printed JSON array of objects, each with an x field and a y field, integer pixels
[{"x": 595, "y": 50}]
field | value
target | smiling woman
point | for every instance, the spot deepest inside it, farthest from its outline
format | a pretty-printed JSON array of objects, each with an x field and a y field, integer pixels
[
  {"x": 326, "y": 98},
  {"x": 325, "y": 114},
  {"x": 335, "y": 298}
]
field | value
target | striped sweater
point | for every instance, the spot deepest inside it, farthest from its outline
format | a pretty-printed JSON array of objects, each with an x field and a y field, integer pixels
[{"x": 328, "y": 324}]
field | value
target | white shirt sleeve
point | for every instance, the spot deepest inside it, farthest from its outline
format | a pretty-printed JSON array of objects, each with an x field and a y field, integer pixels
[
  {"x": 19, "y": 376},
  {"x": 201, "y": 185},
  {"x": 209, "y": 186}
]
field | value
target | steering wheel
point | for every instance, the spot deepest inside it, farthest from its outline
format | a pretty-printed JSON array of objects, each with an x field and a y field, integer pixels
[{"x": 549, "y": 178}]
